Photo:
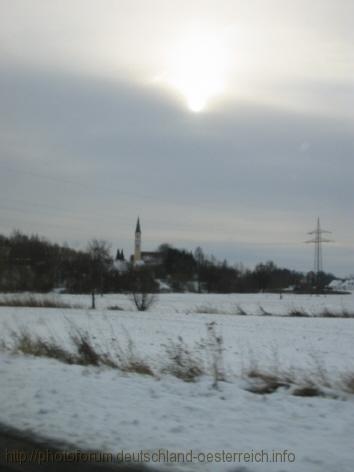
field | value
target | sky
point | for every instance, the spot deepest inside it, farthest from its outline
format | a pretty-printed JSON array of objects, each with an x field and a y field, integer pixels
[{"x": 222, "y": 124}]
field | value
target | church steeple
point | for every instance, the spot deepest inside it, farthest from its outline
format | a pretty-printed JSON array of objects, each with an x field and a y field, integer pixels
[{"x": 137, "y": 245}]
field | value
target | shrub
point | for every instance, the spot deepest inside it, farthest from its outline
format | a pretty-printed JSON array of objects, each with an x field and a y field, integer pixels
[
  {"x": 143, "y": 292},
  {"x": 143, "y": 301}
]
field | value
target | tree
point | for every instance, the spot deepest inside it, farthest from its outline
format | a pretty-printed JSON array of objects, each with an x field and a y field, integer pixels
[
  {"x": 200, "y": 260},
  {"x": 263, "y": 274},
  {"x": 178, "y": 265},
  {"x": 99, "y": 252},
  {"x": 143, "y": 289}
]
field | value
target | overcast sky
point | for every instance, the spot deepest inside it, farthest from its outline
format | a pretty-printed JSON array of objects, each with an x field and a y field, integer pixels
[{"x": 223, "y": 124}]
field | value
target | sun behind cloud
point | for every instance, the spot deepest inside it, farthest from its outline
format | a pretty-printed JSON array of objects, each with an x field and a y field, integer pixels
[{"x": 198, "y": 67}]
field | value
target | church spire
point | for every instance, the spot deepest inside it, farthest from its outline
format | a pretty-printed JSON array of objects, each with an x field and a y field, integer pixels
[{"x": 137, "y": 245}]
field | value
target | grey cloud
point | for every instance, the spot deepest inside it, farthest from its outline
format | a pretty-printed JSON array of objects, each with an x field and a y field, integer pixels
[{"x": 112, "y": 150}]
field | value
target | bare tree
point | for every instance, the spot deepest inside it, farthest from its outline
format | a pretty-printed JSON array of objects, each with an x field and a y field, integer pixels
[
  {"x": 99, "y": 252},
  {"x": 143, "y": 289},
  {"x": 200, "y": 259},
  {"x": 143, "y": 301}
]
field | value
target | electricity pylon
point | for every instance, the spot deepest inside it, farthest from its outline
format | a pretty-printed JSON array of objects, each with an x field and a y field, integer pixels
[{"x": 318, "y": 240}]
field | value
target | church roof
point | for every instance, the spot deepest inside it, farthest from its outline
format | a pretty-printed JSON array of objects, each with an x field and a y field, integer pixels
[
  {"x": 151, "y": 253},
  {"x": 138, "y": 230}
]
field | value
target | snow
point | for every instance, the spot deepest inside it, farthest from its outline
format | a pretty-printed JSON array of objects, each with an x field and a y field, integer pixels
[
  {"x": 347, "y": 284},
  {"x": 120, "y": 266},
  {"x": 105, "y": 409},
  {"x": 171, "y": 302}
]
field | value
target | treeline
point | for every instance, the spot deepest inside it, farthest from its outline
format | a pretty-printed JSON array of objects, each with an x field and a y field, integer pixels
[
  {"x": 32, "y": 263},
  {"x": 198, "y": 272}
]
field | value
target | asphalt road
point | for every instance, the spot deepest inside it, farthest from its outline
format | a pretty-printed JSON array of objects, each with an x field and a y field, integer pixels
[{"x": 24, "y": 452}]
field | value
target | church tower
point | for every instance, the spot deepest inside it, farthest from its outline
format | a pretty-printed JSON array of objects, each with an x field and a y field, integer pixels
[{"x": 137, "y": 246}]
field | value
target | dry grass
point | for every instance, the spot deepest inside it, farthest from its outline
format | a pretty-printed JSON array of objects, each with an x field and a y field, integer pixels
[
  {"x": 326, "y": 313},
  {"x": 265, "y": 312},
  {"x": 182, "y": 363},
  {"x": 185, "y": 364},
  {"x": 129, "y": 361},
  {"x": 263, "y": 382},
  {"x": 347, "y": 382},
  {"x": 32, "y": 301},
  {"x": 35, "y": 346},
  {"x": 214, "y": 310},
  {"x": 295, "y": 312},
  {"x": 307, "y": 391},
  {"x": 85, "y": 352},
  {"x": 208, "y": 310},
  {"x": 137, "y": 366},
  {"x": 115, "y": 308},
  {"x": 241, "y": 311},
  {"x": 315, "y": 383},
  {"x": 298, "y": 313}
]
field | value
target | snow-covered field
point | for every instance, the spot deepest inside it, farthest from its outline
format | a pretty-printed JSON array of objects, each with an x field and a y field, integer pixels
[{"x": 101, "y": 408}]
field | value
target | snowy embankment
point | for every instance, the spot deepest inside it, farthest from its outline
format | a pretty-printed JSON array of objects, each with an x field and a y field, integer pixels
[{"x": 102, "y": 408}]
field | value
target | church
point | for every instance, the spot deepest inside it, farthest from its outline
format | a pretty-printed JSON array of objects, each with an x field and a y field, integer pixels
[
  {"x": 139, "y": 258},
  {"x": 143, "y": 257}
]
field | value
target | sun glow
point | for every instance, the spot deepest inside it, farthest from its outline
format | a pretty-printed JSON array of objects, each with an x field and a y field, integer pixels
[{"x": 198, "y": 68}]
